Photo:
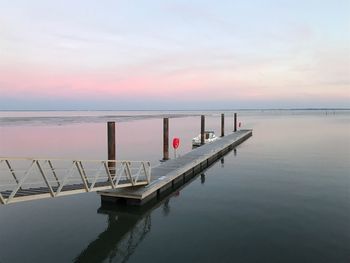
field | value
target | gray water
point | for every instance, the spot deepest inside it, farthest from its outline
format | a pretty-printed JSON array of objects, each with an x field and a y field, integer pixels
[{"x": 281, "y": 196}]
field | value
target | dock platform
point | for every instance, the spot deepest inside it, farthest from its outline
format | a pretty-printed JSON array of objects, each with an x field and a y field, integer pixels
[{"x": 175, "y": 172}]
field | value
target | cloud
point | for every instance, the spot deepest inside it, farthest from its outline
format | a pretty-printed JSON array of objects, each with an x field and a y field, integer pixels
[{"x": 185, "y": 51}]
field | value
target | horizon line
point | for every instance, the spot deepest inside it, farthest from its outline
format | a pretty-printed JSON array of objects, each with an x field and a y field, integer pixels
[{"x": 239, "y": 109}]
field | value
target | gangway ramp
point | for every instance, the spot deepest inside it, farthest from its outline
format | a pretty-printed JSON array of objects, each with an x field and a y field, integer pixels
[{"x": 23, "y": 179}]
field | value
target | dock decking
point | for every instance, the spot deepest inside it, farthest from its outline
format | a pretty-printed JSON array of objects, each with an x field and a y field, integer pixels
[{"x": 177, "y": 171}]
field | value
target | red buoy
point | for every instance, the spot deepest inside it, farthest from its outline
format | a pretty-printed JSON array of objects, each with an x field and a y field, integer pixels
[{"x": 176, "y": 143}]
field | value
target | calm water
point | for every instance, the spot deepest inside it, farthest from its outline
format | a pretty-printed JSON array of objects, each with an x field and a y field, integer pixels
[{"x": 282, "y": 196}]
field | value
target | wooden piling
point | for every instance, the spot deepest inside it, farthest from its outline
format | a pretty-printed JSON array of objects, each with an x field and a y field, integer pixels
[
  {"x": 235, "y": 122},
  {"x": 111, "y": 146},
  {"x": 165, "y": 139},
  {"x": 202, "y": 129},
  {"x": 222, "y": 125}
]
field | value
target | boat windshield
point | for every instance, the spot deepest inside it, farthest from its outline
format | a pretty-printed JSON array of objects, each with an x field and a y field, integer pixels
[{"x": 209, "y": 135}]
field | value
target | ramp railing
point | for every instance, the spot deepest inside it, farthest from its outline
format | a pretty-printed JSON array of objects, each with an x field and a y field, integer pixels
[{"x": 27, "y": 179}]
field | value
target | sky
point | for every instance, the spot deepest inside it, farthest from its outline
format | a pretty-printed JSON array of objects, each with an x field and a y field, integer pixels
[{"x": 157, "y": 54}]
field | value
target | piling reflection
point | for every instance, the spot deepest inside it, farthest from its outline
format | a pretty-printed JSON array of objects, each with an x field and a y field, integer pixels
[
  {"x": 202, "y": 178},
  {"x": 166, "y": 207}
]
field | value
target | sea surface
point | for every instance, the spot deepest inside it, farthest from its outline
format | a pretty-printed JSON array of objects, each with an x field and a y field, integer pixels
[{"x": 281, "y": 196}]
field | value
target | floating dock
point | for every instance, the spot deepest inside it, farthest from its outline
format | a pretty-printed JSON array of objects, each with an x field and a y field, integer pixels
[{"x": 172, "y": 173}]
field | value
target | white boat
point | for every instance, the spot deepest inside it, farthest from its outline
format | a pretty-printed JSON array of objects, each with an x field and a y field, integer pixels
[{"x": 209, "y": 136}]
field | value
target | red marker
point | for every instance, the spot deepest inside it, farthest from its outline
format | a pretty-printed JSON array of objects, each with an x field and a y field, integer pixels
[{"x": 176, "y": 143}]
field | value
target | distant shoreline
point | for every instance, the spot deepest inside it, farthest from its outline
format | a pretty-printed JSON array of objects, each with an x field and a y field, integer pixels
[{"x": 171, "y": 110}]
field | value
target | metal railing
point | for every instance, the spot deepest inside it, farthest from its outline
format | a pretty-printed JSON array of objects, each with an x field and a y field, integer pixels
[{"x": 27, "y": 179}]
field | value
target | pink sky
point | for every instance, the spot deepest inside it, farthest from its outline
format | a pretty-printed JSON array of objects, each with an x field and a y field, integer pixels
[{"x": 189, "y": 55}]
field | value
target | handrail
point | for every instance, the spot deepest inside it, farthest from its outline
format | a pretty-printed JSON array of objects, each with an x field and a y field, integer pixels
[
  {"x": 65, "y": 159},
  {"x": 43, "y": 178}
]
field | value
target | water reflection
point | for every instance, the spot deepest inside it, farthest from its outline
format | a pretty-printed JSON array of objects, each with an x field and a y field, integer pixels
[
  {"x": 125, "y": 231},
  {"x": 127, "y": 228},
  {"x": 166, "y": 208},
  {"x": 202, "y": 178},
  {"x": 222, "y": 161}
]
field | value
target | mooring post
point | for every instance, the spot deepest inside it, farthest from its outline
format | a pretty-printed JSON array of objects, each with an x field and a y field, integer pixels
[
  {"x": 111, "y": 146},
  {"x": 202, "y": 129},
  {"x": 165, "y": 139},
  {"x": 222, "y": 124},
  {"x": 235, "y": 122}
]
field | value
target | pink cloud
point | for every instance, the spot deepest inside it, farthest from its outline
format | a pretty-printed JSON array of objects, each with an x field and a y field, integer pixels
[{"x": 253, "y": 82}]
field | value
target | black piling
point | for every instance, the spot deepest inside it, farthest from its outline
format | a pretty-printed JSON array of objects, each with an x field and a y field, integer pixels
[
  {"x": 222, "y": 125},
  {"x": 111, "y": 145},
  {"x": 202, "y": 129},
  {"x": 235, "y": 122},
  {"x": 165, "y": 139}
]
